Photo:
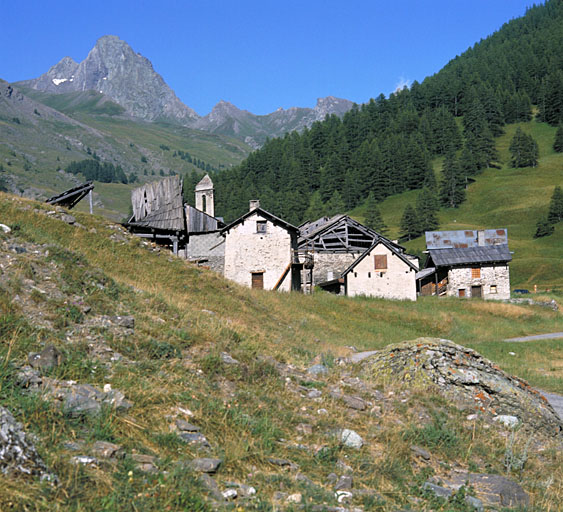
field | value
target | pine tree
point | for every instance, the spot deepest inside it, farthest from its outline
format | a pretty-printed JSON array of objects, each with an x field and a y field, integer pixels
[
  {"x": 409, "y": 224},
  {"x": 558, "y": 143},
  {"x": 555, "y": 214},
  {"x": 373, "y": 217},
  {"x": 452, "y": 187},
  {"x": 543, "y": 228},
  {"x": 426, "y": 208},
  {"x": 316, "y": 208},
  {"x": 335, "y": 205},
  {"x": 524, "y": 150}
]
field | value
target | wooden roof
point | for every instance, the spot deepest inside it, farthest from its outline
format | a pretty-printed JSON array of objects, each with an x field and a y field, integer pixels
[
  {"x": 71, "y": 197},
  {"x": 339, "y": 234},
  {"x": 200, "y": 222},
  {"x": 159, "y": 205}
]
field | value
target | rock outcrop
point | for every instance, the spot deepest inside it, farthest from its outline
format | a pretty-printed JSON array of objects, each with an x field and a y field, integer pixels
[
  {"x": 465, "y": 377},
  {"x": 18, "y": 455}
]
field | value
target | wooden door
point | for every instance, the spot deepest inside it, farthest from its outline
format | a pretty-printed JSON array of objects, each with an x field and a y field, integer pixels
[
  {"x": 476, "y": 291},
  {"x": 258, "y": 280}
]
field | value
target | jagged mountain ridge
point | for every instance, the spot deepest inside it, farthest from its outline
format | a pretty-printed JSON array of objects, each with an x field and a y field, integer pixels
[{"x": 114, "y": 69}]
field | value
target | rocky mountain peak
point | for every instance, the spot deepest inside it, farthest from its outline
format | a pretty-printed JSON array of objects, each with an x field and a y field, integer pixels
[
  {"x": 332, "y": 105},
  {"x": 114, "y": 69}
]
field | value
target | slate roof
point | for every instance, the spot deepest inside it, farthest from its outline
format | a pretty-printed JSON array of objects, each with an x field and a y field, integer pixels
[
  {"x": 265, "y": 214},
  {"x": 425, "y": 273},
  {"x": 470, "y": 255}
]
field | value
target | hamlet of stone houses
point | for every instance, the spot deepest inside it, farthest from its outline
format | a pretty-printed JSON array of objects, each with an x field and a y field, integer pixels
[{"x": 337, "y": 254}]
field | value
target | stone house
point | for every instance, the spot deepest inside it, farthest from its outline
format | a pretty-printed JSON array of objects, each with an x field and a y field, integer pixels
[
  {"x": 382, "y": 271},
  {"x": 261, "y": 251},
  {"x": 469, "y": 263},
  {"x": 333, "y": 244}
]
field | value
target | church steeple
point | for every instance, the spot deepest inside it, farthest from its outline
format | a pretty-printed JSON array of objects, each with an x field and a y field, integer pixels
[{"x": 204, "y": 196}]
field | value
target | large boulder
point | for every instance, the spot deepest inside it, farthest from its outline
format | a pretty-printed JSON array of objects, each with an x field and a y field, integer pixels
[{"x": 465, "y": 377}]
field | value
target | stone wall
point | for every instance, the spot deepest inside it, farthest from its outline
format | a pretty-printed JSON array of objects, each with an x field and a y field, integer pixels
[
  {"x": 396, "y": 282},
  {"x": 491, "y": 276},
  {"x": 247, "y": 251},
  {"x": 207, "y": 246},
  {"x": 331, "y": 262}
]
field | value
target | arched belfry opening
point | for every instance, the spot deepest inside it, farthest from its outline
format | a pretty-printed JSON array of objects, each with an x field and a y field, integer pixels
[{"x": 204, "y": 196}]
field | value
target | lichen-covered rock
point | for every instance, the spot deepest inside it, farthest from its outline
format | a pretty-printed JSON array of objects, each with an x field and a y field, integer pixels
[
  {"x": 18, "y": 455},
  {"x": 465, "y": 377}
]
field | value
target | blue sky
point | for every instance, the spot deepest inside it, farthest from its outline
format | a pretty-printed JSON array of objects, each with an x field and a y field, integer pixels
[{"x": 259, "y": 55}]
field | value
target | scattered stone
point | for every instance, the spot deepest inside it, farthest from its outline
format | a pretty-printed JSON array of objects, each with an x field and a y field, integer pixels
[
  {"x": 491, "y": 490},
  {"x": 332, "y": 478},
  {"x": 18, "y": 455},
  {"x": 211, "y": 486},
  {"x": 127, "y": 322},
  {"x": 246, "y": 491},
  {"x": 106, "y": 450},
  {"x": 84, "y": 460},
  {"x": 227, "y": 359},
  {"x": 5, "y": 229},
  {"x": 74, "y": 446},
  {"x": 437, "y": 490},
  {"x": 230, "y": 494},
  {"x": 507, "y": 420},
  {"x": 314, "y": 393},
  {"x": 206, "y": 465},
  {"x": 284, "y": 463},
  {"x": 344, "y": 482},
  {"x": 343, "y": 496},
  {"x": 353, "y": 402},
  {"x": 294, "y": 498},
  {"x": 194, "y": 438},
  {"x": 317, "y": 369},
  {"x": 69, "y": 219},
  {"x": 279, "y": 496},
  {"x": 350, "y": 438},
  {"x": 420, "y": 452},
  {"x": 185, "y": 426},
  {"x": 145, "y": 463},
  {"x": 50, "y": 357},
  {"x": 304, "y": 428},
  {"x": 300, "y": 477}
]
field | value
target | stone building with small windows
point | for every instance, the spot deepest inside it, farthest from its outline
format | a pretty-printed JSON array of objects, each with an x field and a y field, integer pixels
[
  {"x": 382, "y": 271},
  {"x": 261, "y": 251},
  {"x": 469, "y": 263}
]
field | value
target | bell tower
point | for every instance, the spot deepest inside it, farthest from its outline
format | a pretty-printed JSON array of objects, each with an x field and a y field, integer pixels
[{"x": 204, "y": 196}]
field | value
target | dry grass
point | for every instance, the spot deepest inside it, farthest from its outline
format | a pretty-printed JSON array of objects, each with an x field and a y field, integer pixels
[{"x": 246, "y": 411}]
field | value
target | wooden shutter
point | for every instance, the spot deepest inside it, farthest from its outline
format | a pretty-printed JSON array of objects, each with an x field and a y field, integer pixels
[
  {"x": 380, "y": 261},
  {"x": 475, "y": 273},
  {"x": 462, "y": 292},
  {"x": 258, "y": 280}
]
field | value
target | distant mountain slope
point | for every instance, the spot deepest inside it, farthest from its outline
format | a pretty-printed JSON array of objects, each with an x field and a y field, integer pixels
[
  {"x": 114, "y": 69},
  {"x": 41, "y": 133},
  {"x": 227, "y": 119}
]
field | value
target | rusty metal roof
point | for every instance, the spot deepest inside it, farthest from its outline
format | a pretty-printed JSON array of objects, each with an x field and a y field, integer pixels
[{"x": 463, "y": 239}]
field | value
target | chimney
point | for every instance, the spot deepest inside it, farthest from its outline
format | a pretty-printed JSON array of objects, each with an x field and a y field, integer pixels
[
  {"x": 254, "y": 203},
  {"x": 480, "y": 238}
]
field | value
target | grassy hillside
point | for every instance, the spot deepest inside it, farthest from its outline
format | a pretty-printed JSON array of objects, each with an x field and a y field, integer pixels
[
  {"x": 510, "y": 198},
  {"x": 60, "y": 281},
  {"x": 38, "y": 142}
]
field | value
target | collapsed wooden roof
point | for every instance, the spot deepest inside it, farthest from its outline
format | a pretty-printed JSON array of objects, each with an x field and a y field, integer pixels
[
  {"x": 339, "y": 234},
  {"x": 159, "y": 205},
  {"x": 71, "y": 197}
]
